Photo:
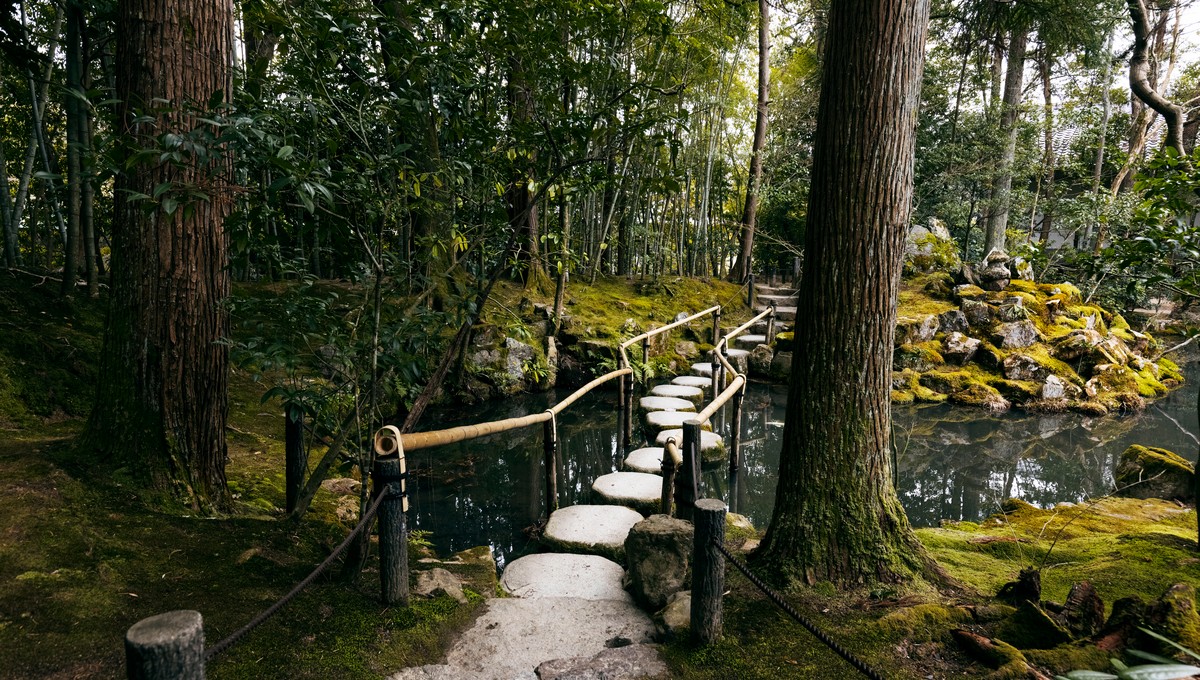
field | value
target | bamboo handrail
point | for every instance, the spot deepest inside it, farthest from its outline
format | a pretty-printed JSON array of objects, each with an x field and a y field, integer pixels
[
  {"x": 735, "y": 332},
  {"x": 651, "y": 333},
  {"x": 721, "y": 399},
  {"x": 412, "y": 441},
  {"x": 672, "y": 449}
]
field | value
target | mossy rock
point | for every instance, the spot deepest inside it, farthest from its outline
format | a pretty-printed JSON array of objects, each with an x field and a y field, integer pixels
[
  {"x": 1180, "y": 621},
  {"x": 1069, "y": 657},
  {"x": 917, "y": 357},
  {"x": 981, "y": 395},
  {"x": 924, "y": 622},
  {"x": 1032, "y": 628},
  {"x": 784, "y": 341},
  {"x": 1150, "y": 472}
]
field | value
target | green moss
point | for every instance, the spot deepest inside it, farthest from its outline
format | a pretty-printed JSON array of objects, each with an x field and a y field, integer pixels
[
  {"x": 1041, "y": 354},
  {"x": 920, "y": 357},
  {"x": 1182, "y": 623},
  {"x": 1030, "y": 627},
  {"x": 1066, "y": 292},
  {"x": 1149, "y": 461},
  {"x": 1066, "y": 658},
  {"x": 915, "y": 301},
  {"x": 970, "y": 291},
  {"x": 1099, "y": 314},
  {"x": 903, "y": 397},
  {"x": 784, "y": 341},
  {"x": 979, "y": 395},
  {"x": 924, "y": 622}
]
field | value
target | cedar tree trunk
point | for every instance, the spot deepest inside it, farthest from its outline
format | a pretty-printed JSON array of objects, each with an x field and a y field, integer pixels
[
  {"x": 997, "y": 224},
  {"x": 161, "y": 404},
  {"x": 837, "y": 516},
  {"x": 741, "y": 268}
]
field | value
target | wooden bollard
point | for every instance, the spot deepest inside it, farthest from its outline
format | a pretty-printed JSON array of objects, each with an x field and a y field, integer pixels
[
  {"x": 550, "y": 447},
  {"x": 295, "y": 457},
  {"x": 716, "y": 327},
  {"x": 708, "y": 571},
  {"x": 389, "y": 475},
  {"x": 750, "y": 296},
  {"x": 668, "y": 475},
  {"x": 645, "y": 354},
  {"x": 686, "y": 484},
  {"x": 168, "y": 646},
  {"x": 771, "y": 324},
  {"x": 735, "y": 451},
  {"x": 625, "y": 424}
]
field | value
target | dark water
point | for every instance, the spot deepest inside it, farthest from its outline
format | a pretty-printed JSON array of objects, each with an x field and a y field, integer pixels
[{"x": 952, "y": 462}]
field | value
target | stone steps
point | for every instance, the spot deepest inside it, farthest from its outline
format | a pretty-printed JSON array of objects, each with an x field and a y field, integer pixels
[
  {"x": 692, "y": 394},
  {"x": 779, "y": 300},
  {"x": 652, "y": 404},
  {"x": 750, "y": 341},
  {"x": 712, "y": 446},
  {"x": 657, "y": 421},
  {"x": 647, "y": 459},
  {"x": 784, "y": 291},
  {"x": 704, "y": 384},
  {"x": 781, "y": 313}
]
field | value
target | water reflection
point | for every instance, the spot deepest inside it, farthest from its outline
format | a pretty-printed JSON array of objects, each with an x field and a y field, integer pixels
[{"x": 953, "y": 463}]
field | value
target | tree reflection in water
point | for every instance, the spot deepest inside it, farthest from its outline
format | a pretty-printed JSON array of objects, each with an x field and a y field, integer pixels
[{"x": 953, "y": 462}]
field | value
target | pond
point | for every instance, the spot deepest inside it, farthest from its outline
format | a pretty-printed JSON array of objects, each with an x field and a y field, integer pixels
[{"x": 952, "y": 462}]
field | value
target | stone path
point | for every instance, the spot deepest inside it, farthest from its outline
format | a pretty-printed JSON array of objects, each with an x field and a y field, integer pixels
[{"x": 568, "y": 616}]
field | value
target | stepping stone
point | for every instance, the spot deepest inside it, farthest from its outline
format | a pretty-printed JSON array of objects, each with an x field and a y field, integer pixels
[
  {"x": 692, "y": 394},
  {"x": 712, "y": 446},
  {"x": 703, "y": 369},
  {"x": 637, "y": 490},
  {"x": 647, "y": 459},
  {"x": 704, "y": 384},
  {"x": 666, "y": 404},
  {"x": 592, "y": 529},
  {"x": 781, "y": 313},
  {"x": 656, "y": 421},
  {"x": 732, "y": 353},
  {"x": 750, "y": 340},
  {"x": 779, "y": 300},
  {"x": 589, "y": 577}
]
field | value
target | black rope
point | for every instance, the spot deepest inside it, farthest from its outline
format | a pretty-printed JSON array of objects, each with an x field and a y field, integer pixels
[
  {"x": 267, "y": 613},
  {"x": 858, "y": 663}
]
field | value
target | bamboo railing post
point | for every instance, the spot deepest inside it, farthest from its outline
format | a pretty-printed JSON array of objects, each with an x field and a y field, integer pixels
[
  {"x": 668, "y": 475},
  {"x": 708, "y": 571},
  {"x": 623, "y": 411},
  {"x": 686, "y": 484},
  {"x": 389, "y": 476},
  {"x": 771, "y": 324},
  {"x": 550, "y": 446},
  {"x": 750, "y": 293},
  {"x": 645, "y": 353},
  {"x": 716, "y": 327},
  {"x": 735, "y": 451},
  {"x": 167, "y": 646},
  {"x": 295, "y": 457}
]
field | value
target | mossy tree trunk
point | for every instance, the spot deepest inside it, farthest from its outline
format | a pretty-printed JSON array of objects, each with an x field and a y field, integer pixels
[
  {"x": 837, "y": 516},
  {"x": 161, "y": 405}
]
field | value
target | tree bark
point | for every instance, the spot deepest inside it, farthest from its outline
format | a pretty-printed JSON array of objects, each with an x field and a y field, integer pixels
[
  {"x": 1139, "y": 79},
  {"x": 1010, "y": 108},
  {"x": 74, "y": 109},
  {"x": 741, "y": 268},
  {"x": 161, "y": 405},
  {"x": 1048, "y": 158},
  {"x": 837, "y": 517}
]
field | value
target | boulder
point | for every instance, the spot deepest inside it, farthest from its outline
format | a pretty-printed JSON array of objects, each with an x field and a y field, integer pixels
[
  {"x": 1076, "y": 344},
  {"x": 979, "y": 314},
  {"x": 676, "y": 618},
  {"x": 623, "y": 661},
  {"x": 760, "y": 361},
  {"x": 930, "y": 248},
  {"x": 551, "y": 360},
  {"x": 1053, "y": 388},
  {"x": 518, "y": 354},
  {"x": 958, "y": 348},
  {"x": 438, "y": 581},
  {"x": 953, "y": 320},
  {"x": 342, "y": 486},
  {"x": 1022, "y": 268},
  {"x": 781, "y": 366},
  {"x": 658, "y": 554},
  {"x": 912, "y": 330},
  {"x": 1016, "y": 334},
  {"x": 687, "y": 349},
  {"x": 1012, "y": 308},
  {"x": 919, "y": 359},
  {"x": 1032, "y": 628},
  {"x": 1148, "y": 472},
  {"x": 1022, "y": 367}
]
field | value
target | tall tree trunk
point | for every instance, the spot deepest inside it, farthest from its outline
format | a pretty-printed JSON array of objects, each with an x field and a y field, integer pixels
[
  {"x": 11, "y": 246},
  {"x": 1105, "y": 114},
  {"x": 1001, "y": 200},
  {"x": 162, "y": 402},
  {"x": 1139, "y": 78},
  {"x": 741, "y": 268},
  {"x": 1048, "y": 159},
  {"x": 75, "y": 112},
  {"x": 837, "y": 516}
]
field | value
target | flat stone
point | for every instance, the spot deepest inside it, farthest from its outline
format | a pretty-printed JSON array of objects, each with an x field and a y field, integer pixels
[
  {"x": 704, "y": 384},
  {"x": 656, "y": 421},
  {"x": 593, "y": 529},
  {"x": 712, "y": 446},
  {"x": 779, "y": 300},
  {"x": 692, "y": 394},
  {"x": 438, "y": 581},
  {"x": 703, "y": 369},
  {"x": 781, "y": 313},
  {"x": 630, "y": 661},
  {"x": 666, "y": 404},
  {"x": 733, "y": 353},
  {"x": 637, "y": 490},
  {"x": 750, "y": 341},
  {"x": 513, "y": 636},
  {"x": 589, "y": 577},
  {"x": 647, "y": 459}
]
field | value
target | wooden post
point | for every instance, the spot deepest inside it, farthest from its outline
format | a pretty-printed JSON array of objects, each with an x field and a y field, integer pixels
[
  {"x": 390, "y": 474},
  {"x": 686, "y": 484},
  {"x": 550, "y": 445},
  {"x": 708, "y": 571},
  {"x": 295, "y": 457},
  {"x": 168, "y": 646},
  {"x": 622, "y": 406},
  {"x": 716, "y": 372},
  {"x": 717, "y": 327},
  {"x": 735, "y": 451},
  {"x": 771, "y": 324},
  {"x": 645, "y": 352},
  {"x": 750, "y": 291},
  {"x": 668, "y": 475}
]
